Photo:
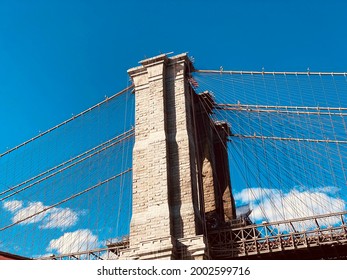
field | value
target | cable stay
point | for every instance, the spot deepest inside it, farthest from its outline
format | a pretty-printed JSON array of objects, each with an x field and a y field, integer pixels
[
  {"x": 66, "y": 199},
  {"x": 68, "y": 120},
  {"x": 57, "y": 189},
  {"x": 74, "y": 161},
  {"x": 233, "y": 72},
  {"x": 262, "y": 137},
  {"x": 297, "y": 110},
  {"x": 287, "y": 142}
]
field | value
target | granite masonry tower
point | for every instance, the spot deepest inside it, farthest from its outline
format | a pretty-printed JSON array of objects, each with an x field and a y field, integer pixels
[{"x": 181, "y": 183}]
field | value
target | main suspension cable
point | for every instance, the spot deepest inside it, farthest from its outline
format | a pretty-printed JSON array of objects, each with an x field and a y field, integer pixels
[
  {"x": 67, "y": 121},
  {"x": 67, "y": 199}
]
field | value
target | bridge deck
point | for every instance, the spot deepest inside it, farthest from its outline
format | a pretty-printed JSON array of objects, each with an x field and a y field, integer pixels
[
  {"x": 299, "y": 235},
  {"x": 111, "y": 252}
]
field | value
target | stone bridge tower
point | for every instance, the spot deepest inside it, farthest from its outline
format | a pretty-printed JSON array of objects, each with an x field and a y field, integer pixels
[{"x": 181, "y": 183}]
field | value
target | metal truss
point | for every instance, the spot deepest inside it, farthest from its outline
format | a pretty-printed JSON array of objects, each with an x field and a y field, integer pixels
[
  {"x": 111, "y": 252},
  {"x": 269, "y": 238}
]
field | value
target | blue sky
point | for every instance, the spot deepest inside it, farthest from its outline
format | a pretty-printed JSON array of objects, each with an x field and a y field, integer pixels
[{"x": 58, "y": 58}]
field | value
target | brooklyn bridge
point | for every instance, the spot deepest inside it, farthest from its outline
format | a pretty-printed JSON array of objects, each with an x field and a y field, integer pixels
[{"x": 185, "y": 163}]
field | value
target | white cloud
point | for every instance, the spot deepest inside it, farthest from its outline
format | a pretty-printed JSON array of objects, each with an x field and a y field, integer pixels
[
  {"x": 60, "y": 218},
  {"x": 272, "y": 205},
  {"x": 13, "y": 205},
  {"x": 26, "y": 212},
  {"x": 53, "y": 218},
  {"x": 328, "y": 190},
  {"x": 80, "y": 240},
  {"x": 253, "y": 194}
]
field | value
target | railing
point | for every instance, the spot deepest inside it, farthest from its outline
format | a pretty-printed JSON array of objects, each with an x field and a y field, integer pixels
[
  {"x": 111, "y": 252},
  {"x": 279, "y": 236}
]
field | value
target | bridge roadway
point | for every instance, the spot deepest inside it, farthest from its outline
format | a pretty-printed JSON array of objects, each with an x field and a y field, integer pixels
[{"x": 302, "y": 238}]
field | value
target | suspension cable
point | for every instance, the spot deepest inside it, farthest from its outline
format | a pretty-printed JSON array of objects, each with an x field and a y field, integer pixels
[
  {"x": 68, "y": 166},
  {"x": 67, "y": 121},
  {"x": 67, "y": 199},
  {"x": 283, "y": 109},
  {"x": 289, "y": 139},
  {"x": 126, "y": 134},
  {"x": 270, "y": 73}
]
